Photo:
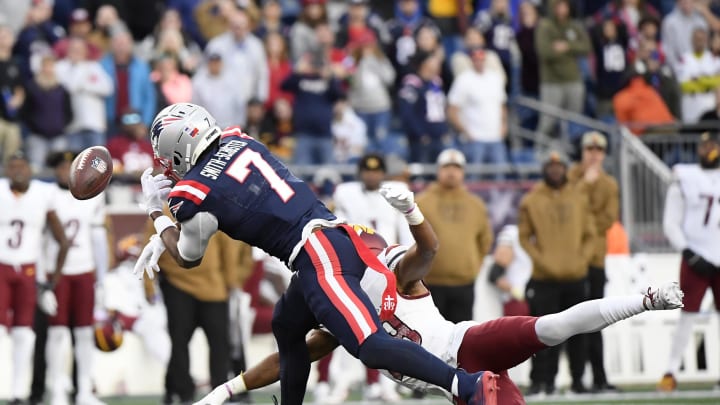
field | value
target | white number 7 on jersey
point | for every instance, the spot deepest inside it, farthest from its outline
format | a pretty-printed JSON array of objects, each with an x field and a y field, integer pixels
[{"x": 240, "y": 169}]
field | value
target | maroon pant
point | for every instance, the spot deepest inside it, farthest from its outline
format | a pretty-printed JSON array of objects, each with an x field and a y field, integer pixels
[
  {"x": 497, "y": 346},
  {"x": 17, "y": 295},
  {"x": 695, "y": 285},
  {"x": 75, "y": 297}
]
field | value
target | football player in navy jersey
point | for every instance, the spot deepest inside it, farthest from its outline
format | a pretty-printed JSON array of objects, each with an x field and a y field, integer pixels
[{"x": 226, "y": 181}]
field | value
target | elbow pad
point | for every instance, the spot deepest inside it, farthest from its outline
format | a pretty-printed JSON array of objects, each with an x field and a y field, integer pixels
[{"x": 496, "y": 271}]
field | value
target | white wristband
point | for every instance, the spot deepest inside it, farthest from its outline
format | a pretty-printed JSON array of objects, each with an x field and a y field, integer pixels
[
  {"x": 162, "y": 223},
  {"x": 414, "y": 216}
]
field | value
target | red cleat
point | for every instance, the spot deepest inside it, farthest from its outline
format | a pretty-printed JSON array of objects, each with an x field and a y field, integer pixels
[{"x": 487, "y": 388}]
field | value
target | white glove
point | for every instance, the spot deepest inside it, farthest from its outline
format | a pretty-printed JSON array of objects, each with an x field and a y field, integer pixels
[
  {"x": 48, "y": 302},
  {"x": 218, "y": 396},
  {"x": 148, "y": 260},
  {"x": 400, "y": 197},
  {"x": 155, "y": 190}
]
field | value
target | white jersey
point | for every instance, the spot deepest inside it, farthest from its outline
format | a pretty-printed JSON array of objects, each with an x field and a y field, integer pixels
[
  {"x": 416, "y": 319},
  {"x": 22, "y": 221},
  {"x": 701, "y": 212},
  {"x": 78, "y": 218},
  {"x": 356, "y": 205},
  {"x": 692, "y": 68},
  {"x": 123, "y": 292},
  {"x": 519, "y": 270}
]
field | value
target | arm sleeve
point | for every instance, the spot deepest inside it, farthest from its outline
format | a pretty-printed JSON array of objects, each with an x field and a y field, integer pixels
[
  {"x": 589, "y": 232},
  {"x": 673, "y": 217},
  {"x": 385, "y": 70},
  {"x": 149, "y": 101},
  {"x": 291, "y": 83},
  {"x": 580, "y": 46},
  {"x": 99, "y": 238},
  {"x": 195, "y": 234},
  {"x": 98, "y": 82},
  {"x": 543, "y": 41},
  {"x": 610, "y": 211},
  {"x": 100, "y": 252},
  {"x": 408, "y": 99},
  {"x": 526, "y": 233},
  {"x": 458, "y": 92},
  {"x": 485, "y": 237},
  {"x": 263, "y": 85}
]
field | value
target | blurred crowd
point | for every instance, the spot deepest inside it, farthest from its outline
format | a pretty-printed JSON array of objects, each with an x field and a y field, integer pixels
[{"x": 323, "y": 81}]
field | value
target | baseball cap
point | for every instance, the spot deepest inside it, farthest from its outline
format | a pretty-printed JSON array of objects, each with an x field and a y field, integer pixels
[
  {"x": 79, "y": 15},
  {"x": 451, "y": 157},
  {"x": 214, "y": 56},
  {"x": 709, "y": 136},
  {"x": 54, "y": 159},
  {"x": 131, "y": 117},
  {"x": 372, "y": 161},
  {"x": 18, "y": 155},
  {"x": 555, "y": 156},
  {"x": 594, "y": 138}
]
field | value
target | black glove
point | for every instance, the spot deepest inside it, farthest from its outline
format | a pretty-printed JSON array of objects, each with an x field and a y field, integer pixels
[{"x": 698, "y": 264}]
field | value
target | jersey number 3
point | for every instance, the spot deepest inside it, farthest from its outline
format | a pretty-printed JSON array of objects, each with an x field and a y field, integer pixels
[{"x": 240, "y": 170}]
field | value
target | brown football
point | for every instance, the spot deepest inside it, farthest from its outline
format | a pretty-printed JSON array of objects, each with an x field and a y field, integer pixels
[{"x": 90, "y": 172}]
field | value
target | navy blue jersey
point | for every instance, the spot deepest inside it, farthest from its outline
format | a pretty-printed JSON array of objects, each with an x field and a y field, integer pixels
[{"x": 252, "y": 194}]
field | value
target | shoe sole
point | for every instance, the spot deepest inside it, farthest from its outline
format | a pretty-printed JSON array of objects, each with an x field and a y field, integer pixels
[{"x": 488, "y": 393}]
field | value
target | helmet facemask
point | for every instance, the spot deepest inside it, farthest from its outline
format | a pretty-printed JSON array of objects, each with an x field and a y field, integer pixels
[{"x": 180, "y": 133}]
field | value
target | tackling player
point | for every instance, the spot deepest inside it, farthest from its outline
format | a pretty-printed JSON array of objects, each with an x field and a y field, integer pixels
[
  {"x": 87, "y": 261},
  {"x": 27, "y": 207},
  {"x": 228, "y": 181},
  {"x": 691, "y": 222},
  {"x": 496, "y": 345}
]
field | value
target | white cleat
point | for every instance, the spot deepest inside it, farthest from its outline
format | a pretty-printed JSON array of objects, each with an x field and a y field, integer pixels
[{"x": 667, "y": 296}]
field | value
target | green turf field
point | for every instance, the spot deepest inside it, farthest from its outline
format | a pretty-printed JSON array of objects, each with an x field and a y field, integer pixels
[{"x": 679, "y": 398}]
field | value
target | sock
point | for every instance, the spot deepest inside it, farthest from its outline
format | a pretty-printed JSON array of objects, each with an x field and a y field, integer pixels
[
  {"x": 586, "y": 317},
  {"x": 380, "y": 351},
  {"x": 84, "y": 351},
  {"x": 372, "y": 376},
  {"x": 323, "y": 368},
  {"x": 23, "y": 343},
  {"x": 58, "y": 340},
  {"x": 680, "y": 340}
]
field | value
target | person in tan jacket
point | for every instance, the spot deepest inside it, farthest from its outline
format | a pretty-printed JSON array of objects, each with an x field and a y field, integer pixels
[
  {"x": 602, "y": 192},
  {"x": 557, "y": 230},
  {"x": 198, "y": 297},
  {"x": 461, "y": 221}
]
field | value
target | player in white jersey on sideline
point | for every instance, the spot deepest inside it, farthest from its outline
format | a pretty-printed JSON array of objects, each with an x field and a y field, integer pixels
[
  {"x": 510, "y": 271},
  {"x": 691, "y": 222},
  {"x": 495, "y": 345},
  {"x": 86, "y": 262},
  {"x": 26, "y": 209}
]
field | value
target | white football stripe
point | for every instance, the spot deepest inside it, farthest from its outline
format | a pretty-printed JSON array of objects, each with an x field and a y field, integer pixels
[
  {"x": 192, "y": 190},
  {"x": 344, "y": 298}
]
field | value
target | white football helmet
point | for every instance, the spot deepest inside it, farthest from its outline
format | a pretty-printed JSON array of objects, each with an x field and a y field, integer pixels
[{"x": 179, "y": 135}]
